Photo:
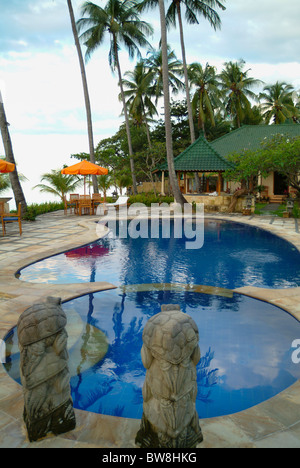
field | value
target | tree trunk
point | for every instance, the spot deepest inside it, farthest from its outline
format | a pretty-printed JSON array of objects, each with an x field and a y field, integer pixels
[
  {"x": 147, "y": 126},
  {"x": 186, "y": 79},
  {"x": 187, "y": 88},
  {"x": 14, "y": 177},
  {"x": 85, "y": 92},
  {"x": 236, "y": 196},
  {"x": 179, "y": 198},
  {"x": 132, "y": 168}
]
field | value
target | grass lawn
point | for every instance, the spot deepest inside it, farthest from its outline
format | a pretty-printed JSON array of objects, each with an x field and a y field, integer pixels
[{"x": 279, "y": 212}]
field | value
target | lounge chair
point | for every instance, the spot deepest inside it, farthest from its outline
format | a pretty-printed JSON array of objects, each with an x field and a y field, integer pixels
[
  {"x": 11, "y": 218},
  {"x": 122, "y": 201}
]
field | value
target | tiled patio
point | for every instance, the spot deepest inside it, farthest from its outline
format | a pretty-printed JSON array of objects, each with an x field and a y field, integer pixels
[{"x": 274, "y": 423}]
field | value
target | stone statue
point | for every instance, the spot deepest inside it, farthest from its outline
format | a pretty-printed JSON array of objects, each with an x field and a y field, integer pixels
[
  {"x": 48, "y": 406},
  {"x": 170, "y": 354}
]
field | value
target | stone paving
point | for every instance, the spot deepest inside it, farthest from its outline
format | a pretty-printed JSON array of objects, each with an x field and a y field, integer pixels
[{"x": 272, "y": 424}]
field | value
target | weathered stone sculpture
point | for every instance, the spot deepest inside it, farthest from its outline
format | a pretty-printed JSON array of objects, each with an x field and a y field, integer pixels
[
  {"x": 170, "y": 354},
  {"x": 48, "y": 405}
]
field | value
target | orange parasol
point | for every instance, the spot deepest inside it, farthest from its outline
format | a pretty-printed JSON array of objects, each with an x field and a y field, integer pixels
[
  {"x": 6, "y": 166},
  {"x": 85, "y": 168}
]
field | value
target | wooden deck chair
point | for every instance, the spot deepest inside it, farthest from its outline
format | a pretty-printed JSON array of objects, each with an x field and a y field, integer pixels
[
  {"x": 72, "y": 204},
  {"x": 12, "y": 218},
  {"x": 85, "y": 204},
  {"x": 96, "y": 201}
]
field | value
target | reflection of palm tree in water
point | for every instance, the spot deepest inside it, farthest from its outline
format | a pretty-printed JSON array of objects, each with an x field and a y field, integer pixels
[
  {"x": 123, "y": 352},
  {"x": 83, "y": 350},
  {"x": 128, "y": 341},
  {"x": 206, "y": 377},
  {"x": 86, "y": 338}
]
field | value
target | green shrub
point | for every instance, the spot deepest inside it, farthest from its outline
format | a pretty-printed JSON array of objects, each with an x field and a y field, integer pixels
[
  {"x": 149, "y": 198},
  {"x": 36, "y": 209},
  {"x": 296, "y": 210}
]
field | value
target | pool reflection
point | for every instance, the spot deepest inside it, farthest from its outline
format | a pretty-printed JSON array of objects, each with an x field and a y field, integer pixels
[{"x": 245, "y": 346}]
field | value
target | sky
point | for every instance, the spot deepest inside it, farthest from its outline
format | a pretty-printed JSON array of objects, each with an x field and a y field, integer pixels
[{"x": 41, "y": 84}]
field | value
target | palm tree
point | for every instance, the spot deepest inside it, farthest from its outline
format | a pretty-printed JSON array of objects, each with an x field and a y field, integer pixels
[
  {"x": 194, "y": 9},
  {"x": 4, "y": 182},
  {"x": 168, "y": 128},
  {"x": 104, "y": 182},
  {"x": 123, "y": 180},
  {"x": 236, "y": 85},
  {"x": 278, "y": 102},
  {"x": 120, "y": 21},
  {"x": 59, "y": 184},
  {"x": 154, "y": 64},
  {"x": 207, "y": 94},
  {"x": 138, "y": 95},
  {"x": 296, "y": 111},
  {"x": 85, "y": 92},
  {"x": 9, "y": 154}
]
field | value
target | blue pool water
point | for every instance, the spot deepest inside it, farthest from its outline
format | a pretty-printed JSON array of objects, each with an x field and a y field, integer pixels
[
  {"x": 246, "y": 344},
  {"x": 246, "y": 348},
  {"x": 233, "y": 255}
]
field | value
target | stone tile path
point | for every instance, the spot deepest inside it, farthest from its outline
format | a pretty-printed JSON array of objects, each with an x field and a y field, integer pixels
[{"x": 274, "y": 423}]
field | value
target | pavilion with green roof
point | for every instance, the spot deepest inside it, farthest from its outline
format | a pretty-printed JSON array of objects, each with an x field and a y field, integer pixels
[
  {"x": 207, "y": 158},
  {"x": 200, "y": 157},
  {"x": 250, "y": 137}
]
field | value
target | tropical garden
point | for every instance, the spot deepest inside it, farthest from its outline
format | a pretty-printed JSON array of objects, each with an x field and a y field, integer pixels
[{"x": 166, "y": 102}]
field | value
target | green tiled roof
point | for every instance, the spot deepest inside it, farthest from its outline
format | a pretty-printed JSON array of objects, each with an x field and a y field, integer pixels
[
  {"x": 250, "y": 137},
  {"x": 200, "y": 157}
]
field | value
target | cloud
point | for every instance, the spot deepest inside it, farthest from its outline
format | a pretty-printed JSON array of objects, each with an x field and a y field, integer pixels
[
  {"x": 264, "y": 32},
  {"x": 49, "y": 96},
  {"x": 35, "y": 24}
]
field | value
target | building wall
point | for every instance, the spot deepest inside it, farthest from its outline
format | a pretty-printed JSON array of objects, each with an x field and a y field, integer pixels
[{"x": 220, "y": 203}]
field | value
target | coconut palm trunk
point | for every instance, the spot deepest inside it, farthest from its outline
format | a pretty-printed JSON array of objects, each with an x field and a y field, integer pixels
[
  {"x": 187, "y": 89},
  {"x": 121, "y": 21},
  {"x": 132, "y": 168},
  {"x": 186, "y": 80},
  {"x": 9, "y": 154},
  {"x": 85, "y": 92},
  {"x": 179, "y": 198}
]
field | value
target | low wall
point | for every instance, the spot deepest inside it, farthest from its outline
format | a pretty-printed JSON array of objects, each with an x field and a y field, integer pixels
[
  {"x": 147, "y": 187},
  {"x": 219, "y": 203},
  {"x": 6, "y": 204}
]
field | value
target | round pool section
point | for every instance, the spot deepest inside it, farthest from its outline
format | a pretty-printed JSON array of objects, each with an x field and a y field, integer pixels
[
  {"x": 246, "y": 348},
  {"x": 233, "y": 255}
]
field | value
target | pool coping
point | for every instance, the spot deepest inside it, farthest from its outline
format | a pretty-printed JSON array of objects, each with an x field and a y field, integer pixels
[{"x": 273, "y": 423}]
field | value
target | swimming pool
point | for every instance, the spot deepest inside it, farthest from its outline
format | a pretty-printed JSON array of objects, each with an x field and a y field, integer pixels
[
  {"x": 245, "y": 346},
  {"x": 233, "y": 255},
  {"x": 245, "y": 343}
]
